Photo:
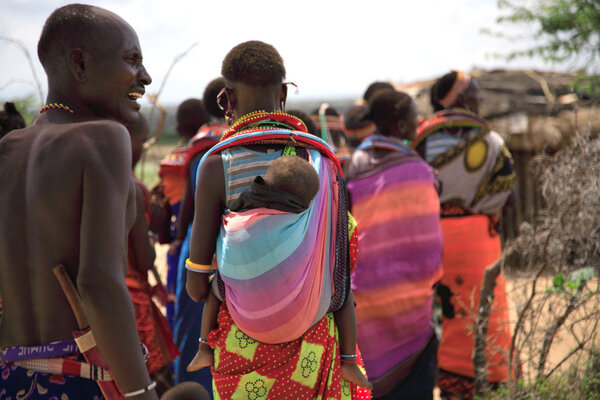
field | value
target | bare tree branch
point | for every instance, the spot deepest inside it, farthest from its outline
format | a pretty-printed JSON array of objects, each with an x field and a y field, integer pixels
[
  {"x": 481, "y": 326},
  {"x": 24, "y": 50}
]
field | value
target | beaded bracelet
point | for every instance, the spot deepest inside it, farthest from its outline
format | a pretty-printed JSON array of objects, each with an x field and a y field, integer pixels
[
  {"x": 343, "y": 356},
  {"x": 198, "y": 267},
  {"x": 201, "y": 341},
  {"x": 140, "y": 391}
]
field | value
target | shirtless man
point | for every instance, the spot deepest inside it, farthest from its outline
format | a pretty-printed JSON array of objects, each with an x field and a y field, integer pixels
[{"x": 67, "y": 198}]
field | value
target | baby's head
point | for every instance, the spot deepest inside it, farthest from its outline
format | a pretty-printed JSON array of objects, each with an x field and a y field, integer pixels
[
  {"x": 189, "y": 390},
  {"x": 294, "y": 175}
]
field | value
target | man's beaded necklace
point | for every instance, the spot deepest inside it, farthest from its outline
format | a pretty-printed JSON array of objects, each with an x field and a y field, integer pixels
[{"x": 51, "y": 106}]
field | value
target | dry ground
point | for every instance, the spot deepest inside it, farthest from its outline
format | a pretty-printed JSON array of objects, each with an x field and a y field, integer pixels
[{"x": 519, "y": 288}]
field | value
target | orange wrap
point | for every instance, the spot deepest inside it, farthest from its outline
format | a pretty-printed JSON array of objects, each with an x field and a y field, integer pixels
[{"x": 468, "y": 251}]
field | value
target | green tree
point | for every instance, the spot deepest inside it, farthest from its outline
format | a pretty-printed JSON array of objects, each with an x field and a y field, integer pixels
[{"x": 563, "y": 31}]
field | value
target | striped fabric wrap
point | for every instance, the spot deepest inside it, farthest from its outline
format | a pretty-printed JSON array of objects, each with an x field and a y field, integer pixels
[
  {"x": 383, "y": 142},
  {"x": 399, "y": 258},
  {"x": 241, "y": 166},
  {"x": 257, "y": 247}
]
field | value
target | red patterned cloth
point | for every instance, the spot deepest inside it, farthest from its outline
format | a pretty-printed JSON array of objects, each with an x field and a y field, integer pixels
[
  {"x": 306, "y": 368},
  {"x": 174, "y": 168},
  {"x": 153, "y": 328}
]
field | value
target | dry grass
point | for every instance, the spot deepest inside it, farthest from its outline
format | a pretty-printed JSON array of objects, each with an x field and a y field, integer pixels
[{"x": 555, "y": 299}]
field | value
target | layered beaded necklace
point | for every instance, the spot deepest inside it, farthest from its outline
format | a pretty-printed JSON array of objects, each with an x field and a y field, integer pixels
[
  {"x": 265, "y": 120},
  {"x": 52, "y": 106}
]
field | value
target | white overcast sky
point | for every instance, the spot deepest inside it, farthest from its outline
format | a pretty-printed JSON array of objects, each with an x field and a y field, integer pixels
[{"x": 331, "y": 48}]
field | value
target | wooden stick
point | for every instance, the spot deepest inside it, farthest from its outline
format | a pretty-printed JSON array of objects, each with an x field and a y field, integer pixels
[{"x": 60, "y": 272}]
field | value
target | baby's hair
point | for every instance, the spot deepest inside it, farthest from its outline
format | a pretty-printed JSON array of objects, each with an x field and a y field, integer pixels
[
  {"x": 254, "y": 63},
  {"x": 294, "y": 175},
  {"x": 186, "y": 391}
]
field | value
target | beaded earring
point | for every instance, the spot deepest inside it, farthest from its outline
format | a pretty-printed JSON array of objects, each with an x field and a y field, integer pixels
[{"x": 228, "y": 111}]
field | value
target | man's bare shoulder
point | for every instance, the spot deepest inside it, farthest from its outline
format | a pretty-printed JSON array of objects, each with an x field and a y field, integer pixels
[
  {"x": 75, "y": 133},
  {"x": 87, "y": 142},
  {"x": 100, "y": 132}
]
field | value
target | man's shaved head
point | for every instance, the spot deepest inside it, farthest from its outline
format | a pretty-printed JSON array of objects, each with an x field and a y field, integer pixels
[{"x": 73, "y": 26}]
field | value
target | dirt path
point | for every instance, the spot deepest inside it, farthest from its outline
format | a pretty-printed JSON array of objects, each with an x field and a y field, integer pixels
[{"x": 578, "y": 328}]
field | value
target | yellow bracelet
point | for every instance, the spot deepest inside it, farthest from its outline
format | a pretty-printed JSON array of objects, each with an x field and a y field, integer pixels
[{"x": 198, "y": 267}]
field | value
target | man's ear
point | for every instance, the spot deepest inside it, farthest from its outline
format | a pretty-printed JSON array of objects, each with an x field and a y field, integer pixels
[{"x": 77, "y": 64}]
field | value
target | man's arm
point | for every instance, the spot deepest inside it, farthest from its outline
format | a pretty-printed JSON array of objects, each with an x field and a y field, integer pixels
[
  {"x": 208, "y": 209},
  {"x": 138, "y": 235},
  {"x": 101, "y": 274}
]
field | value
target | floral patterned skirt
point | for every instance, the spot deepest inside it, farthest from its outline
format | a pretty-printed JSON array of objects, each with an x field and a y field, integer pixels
[
  {"x": 306, "y": 368},
  {"x": 18, "y": 383}
]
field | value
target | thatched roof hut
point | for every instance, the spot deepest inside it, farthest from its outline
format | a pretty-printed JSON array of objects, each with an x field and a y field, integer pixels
[{"x": 533, "y": 110}]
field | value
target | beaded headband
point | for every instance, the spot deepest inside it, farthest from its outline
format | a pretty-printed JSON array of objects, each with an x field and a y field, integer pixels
[
  {"x": 461, "y": 83},
  {"x": 333, "y": 122},
  {"x": 361, "y": 133},
  {"x": 323, "y": 122}
]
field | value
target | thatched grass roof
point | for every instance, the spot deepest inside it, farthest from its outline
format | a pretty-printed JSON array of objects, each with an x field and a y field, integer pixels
[{"x": 533, "y": 110}]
